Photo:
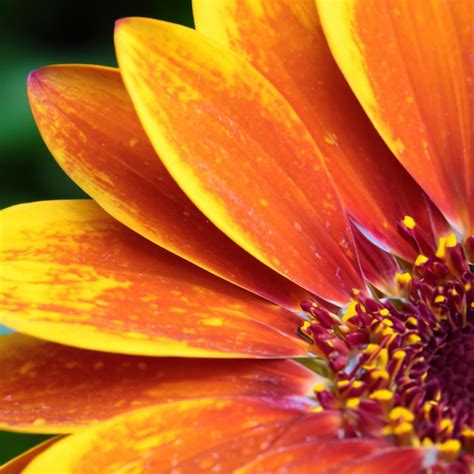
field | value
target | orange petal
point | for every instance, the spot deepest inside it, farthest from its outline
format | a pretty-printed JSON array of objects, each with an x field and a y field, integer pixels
[
  {"x": 17, "y": 464},
  {"x": 410, "y": 65},
  {"x": 283, "y": 39},
  {"x": 87, "y": 120},
  {"x": 315, "y": 457},
  {"x": 89, "y": 386},
  {"x": 240, "y": 152},
  {"x": 74, "y": 275},
  {"x": 390, "y": 461},
  {"x": 205, "y": 435}
]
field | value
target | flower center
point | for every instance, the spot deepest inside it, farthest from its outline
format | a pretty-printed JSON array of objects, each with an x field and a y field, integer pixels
[
  {"x": 401, "y": 366},
  {"x": 451, "y": 367}
]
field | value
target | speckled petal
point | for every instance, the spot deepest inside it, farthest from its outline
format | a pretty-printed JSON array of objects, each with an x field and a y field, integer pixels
[
  {"x": 283, "y": 39},
  {"x": 240, "y": 152},
  {"x": 89, "y": 386},
  {"x": 88, "y": 122},
  {"x": 206, "y": 435},
  {"x": 410, "y": 66},
  {"x": 72, "y": 274}
]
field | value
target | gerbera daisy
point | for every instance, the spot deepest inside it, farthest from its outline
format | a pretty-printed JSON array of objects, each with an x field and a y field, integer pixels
[{"x": 332, "y": 221}]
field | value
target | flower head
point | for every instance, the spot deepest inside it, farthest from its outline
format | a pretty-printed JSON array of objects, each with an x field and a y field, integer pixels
[{"x": 315, "y": 162}]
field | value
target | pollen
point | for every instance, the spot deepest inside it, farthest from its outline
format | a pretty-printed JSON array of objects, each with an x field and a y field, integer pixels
[
  {"x": 409, "y": 222},
  {"x": 404, "y": 361}
]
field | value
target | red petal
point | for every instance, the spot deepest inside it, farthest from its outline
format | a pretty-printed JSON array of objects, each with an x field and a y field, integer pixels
[
  {"x": 74, "y": 275},
  {"x": 378, "y": 267},
  {"x": 240, "y": 152},
  {"x": 391, "y": 461},
  {"x": 312, "y": 427},
  {"x": 284, "y": 40},
  {"x": 312, "y": 457},
  {"x": 206, "y": 435},
  {"x": 87, "y": 120},
  {"x": 51, "y": 388},
  {"x": 410, "y": 65}
]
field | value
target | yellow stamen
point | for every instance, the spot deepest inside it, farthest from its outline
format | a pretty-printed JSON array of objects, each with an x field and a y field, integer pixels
[
  {"x": 403, "y": 429},
  {"x": 350, "y": 311},
  {"x": 403, "y": 278},
  {"x": 413, "y": 339},
  {"x": 444, "y": 243},
  {"x": 409, "y": 222},
  {"x": 371, "y": 348},
  {"x": 467, "y": 433},
  {"x": 319, "y": 387},
  {"x": 411, "y": 320},
  {"x": 382, "y": 395},
  {"x": 420, "y": 260},
  {"x": 449, "y": 450},
  {"x": 353, "y": 402},
  {"x": 380, "y": 374},
  {"x": 401, "y": 413},
  {"x": 446, "y": 425}
]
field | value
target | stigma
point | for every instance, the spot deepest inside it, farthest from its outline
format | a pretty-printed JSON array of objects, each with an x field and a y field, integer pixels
[{"x": 401, "y": 366}]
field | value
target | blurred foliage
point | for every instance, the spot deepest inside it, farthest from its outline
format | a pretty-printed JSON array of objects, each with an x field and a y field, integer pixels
[
  {"x": 13, "y": 444},
  {"x": 34, "y": 33}
]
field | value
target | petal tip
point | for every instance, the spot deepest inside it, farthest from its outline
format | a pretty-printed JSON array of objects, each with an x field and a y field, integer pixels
[{"x": 33, "y": 78}]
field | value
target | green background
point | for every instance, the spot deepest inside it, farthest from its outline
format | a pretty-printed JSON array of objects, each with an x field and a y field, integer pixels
[{"x": 34, "y": 33}]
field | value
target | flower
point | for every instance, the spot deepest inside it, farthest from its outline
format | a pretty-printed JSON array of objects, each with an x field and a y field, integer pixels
[{"x": 359, "y": 258}]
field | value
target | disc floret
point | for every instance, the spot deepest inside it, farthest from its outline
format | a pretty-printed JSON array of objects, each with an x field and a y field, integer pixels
[{"x": 401, "y": 366}]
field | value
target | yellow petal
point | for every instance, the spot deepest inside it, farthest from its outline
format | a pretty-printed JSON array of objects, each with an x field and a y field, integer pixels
[
  {"x": 240, "y": 152},
  {"x": 410, "y": 65},
  {"x": 72, "y": 274}
]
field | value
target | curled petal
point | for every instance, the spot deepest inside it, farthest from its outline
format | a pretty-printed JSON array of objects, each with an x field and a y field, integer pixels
[
  {"x": 74, "y": 275},
  {"x": 240, "y": 152},
  {"x": 410, "y": 66},
  {"x": 51, "y": 388},
  {"x": 88, "y": 122}
]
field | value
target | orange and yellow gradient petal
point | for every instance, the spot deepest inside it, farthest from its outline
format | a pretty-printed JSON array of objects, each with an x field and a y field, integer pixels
[
  {"x": 410, "y": 65},
  {"x": 90, "y": 386},
  {"x": 283, "y": 39},
  {"x": 88, "y": 122},
  {"x": 74, "y": 275},
  {"x": 240, "y": 152},
  {"x": 162, "y": 438}
]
